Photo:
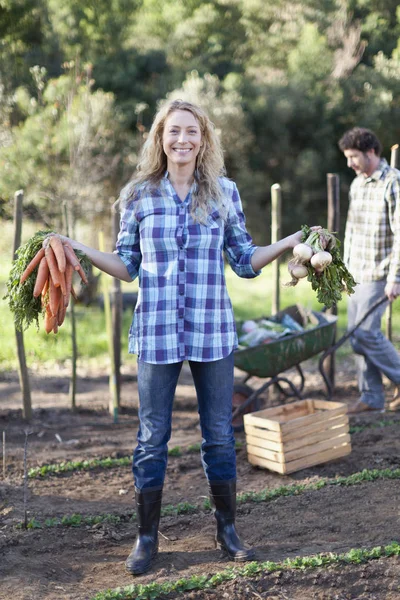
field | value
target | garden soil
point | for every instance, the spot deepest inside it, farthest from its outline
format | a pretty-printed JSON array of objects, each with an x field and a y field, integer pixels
[{"x": 76, "y": 563}]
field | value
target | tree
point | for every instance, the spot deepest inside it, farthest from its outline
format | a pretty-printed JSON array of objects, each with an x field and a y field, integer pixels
[{"x": 72, "y": 147}]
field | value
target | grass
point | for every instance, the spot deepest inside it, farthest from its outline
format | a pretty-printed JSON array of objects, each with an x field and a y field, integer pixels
[
  {"x": 266, "y": 495},
  {"x": 251, "y": 298},
  {"x": 154, "y": 590}
]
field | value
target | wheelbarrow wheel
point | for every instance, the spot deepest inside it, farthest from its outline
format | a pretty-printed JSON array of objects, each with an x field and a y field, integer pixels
[{"x": 241, "y": 392}]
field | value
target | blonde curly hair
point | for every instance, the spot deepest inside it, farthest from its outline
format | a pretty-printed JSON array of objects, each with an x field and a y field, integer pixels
[{"x": 210, "y": 165}]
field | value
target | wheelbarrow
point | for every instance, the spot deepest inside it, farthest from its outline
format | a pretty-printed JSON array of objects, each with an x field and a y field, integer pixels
[{"x": 273, "y": 359}]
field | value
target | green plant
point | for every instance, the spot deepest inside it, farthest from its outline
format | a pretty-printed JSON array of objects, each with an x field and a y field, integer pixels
[
  {"x": 200, "y": 582},
  {"x": 267, "y": 495}
]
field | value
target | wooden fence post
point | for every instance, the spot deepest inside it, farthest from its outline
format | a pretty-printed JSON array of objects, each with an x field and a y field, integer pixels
[
  {"x": 394, "y": 159},
  {"x": 333, "y": 188},
  {"x": 113, "y": 402},
  {"x": 276, "y": 223},
  {"x": 22, "y": 368},
  {"x": 116, "y": 313},
  {"x": 74, "y": 357}
]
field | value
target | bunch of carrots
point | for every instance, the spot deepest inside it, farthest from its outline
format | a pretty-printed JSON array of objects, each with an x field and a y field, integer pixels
[
  {"x": 40, "y": 280},
  {"x": 56, "y": 262}
]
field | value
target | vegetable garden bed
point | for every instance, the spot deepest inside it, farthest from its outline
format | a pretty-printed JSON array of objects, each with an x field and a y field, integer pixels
[{"x": 83, "y": 525}]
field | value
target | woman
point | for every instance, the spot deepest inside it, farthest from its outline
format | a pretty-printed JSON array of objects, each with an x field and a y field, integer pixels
[{"x": 179, "y": 214}]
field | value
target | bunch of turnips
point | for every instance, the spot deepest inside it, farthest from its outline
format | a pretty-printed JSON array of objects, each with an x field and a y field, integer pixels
[{"x": 318, "y": 258}]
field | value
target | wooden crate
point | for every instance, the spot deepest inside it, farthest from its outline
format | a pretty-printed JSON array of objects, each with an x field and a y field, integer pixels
[{"x": 298, "y": 435}]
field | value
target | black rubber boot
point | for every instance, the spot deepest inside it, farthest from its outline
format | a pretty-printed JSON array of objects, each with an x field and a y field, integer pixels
[
  {"x": 223, "y": 501},
  {"x": 148, "y": 507}
]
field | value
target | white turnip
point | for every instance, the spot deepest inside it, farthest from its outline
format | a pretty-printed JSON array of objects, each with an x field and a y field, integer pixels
[
  {"x": 297, "y": 271},
  {"x": 320, "y": 260},
  {"x": 302, "y": 253}
]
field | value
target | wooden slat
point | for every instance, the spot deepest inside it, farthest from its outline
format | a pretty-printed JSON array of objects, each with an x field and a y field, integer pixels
[
  {"x": 310, "y": 406},
  {"x": 282, "y": 409},
  {"x": 327, "y": 404},
  {"x": 263, "y": 453},
  {"x": 318, "y": 427},
  {"x": 263, "y": 462},
  {"x": 263, "y": 443},
  {"x": 309, "y": 419},
  {"x": 316, "y": 448},
  {"x": 271, "y": 418},
  {"x": 303, "y": 463},
  {"x": 309, "y": 440},
  {"x": 250, "y": 419},
  {"x": 316, "y": 459},
  {"x": 294, "y": 415},
  {"x": 265, "y": 434}
]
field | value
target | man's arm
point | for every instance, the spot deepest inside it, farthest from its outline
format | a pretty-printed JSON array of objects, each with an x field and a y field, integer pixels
[{"x": 392, "y": 288}]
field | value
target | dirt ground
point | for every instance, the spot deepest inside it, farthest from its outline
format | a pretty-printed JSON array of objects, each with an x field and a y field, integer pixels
[{"x": 76, "y": 563}]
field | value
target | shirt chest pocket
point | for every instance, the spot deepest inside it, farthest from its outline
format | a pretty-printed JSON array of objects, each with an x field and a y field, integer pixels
[{"x": 204, "y": 235}]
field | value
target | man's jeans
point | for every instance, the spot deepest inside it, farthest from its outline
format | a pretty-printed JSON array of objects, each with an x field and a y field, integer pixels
[
  {"x": 214, "y": 386},
  {"x": 377, "y": 354}
]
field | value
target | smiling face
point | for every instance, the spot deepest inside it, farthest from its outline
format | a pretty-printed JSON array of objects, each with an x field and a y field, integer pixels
[
  {"x": 181, "y": 139},
  {"x": 362, "y": 162}
]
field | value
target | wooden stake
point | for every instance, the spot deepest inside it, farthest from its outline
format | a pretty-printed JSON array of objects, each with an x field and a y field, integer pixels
[
  {"x": 22, "y": 368},
  {"x": 394, "y": 159},
  {"x": 116, "y": 314},
  {"x": 333, "y": 188},
  {"x": 113, "y": 402},
  {"x": 74, "y": 357},
  {"x": 4, "y": 454},
  {"x": 27, "y": 433},
  {"x": 276, "y": 219}
]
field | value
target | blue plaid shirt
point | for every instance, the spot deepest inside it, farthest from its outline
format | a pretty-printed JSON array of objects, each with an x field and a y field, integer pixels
[{"x": 183, "y": 311}]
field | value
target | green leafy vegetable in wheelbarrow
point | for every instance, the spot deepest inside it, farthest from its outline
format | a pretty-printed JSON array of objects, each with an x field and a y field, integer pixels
[{"x": 327, "y": 273}]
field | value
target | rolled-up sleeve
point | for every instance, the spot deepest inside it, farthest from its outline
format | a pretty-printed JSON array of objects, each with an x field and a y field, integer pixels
[
  {"x": 128, "y": 242},
  {"x": 348, "y": 233},
  {"x": 238, "y": 245},
  {"x": 394, "y": 220}
]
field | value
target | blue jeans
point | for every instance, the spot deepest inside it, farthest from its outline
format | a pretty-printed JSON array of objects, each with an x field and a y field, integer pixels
[
  {"x": 376, "y": 354},
  {"x": 214, "y": 387}
]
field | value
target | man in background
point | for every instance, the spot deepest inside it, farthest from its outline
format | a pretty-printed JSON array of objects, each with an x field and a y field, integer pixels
[{"x": 372, "y": 255}]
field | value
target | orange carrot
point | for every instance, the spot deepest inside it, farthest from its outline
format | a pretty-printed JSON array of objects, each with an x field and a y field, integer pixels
[
  {"x": 82, "y": 274},
  {"x": 69, "y": 270},
  {"x": 71, "y": 257},
  {"x": 58, "y": 250},
  {"x": 45, "y": 290},
  {"x": 55, "y": 328},
  {"x": 42, "y": 277},
  {"x": 49, "y": 320},
  {"x": 32, "y": 265},
  {"x": 62, "y": 311},
  {"x": 62, "y": 283},
  {"x": 53, "y": 267},
  {"x": 54, "y": 297}
]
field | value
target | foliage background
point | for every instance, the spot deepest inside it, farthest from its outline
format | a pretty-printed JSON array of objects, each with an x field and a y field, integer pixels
[{"x": 80, "y": 82}]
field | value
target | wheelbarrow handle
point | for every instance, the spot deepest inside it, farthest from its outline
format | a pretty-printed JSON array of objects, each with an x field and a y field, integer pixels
[{"x": 343, "y": 339}]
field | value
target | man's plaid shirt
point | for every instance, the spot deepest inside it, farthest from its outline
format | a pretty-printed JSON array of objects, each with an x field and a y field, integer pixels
[
  {"x": 183, "y": 310},
  {"x": 372, "y": 237}
]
